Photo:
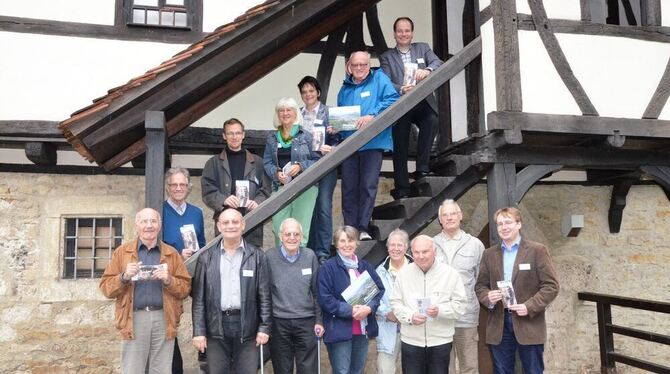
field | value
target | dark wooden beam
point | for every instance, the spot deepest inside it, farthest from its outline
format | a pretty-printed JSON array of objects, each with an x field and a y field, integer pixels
[
  {"x": 585, "y": 10},
  {"x": 528, "y": 176},
  {"x": 501, "y": 186},
  {"x": 587, "y": 125},
  {"x": 559, "y": 26},
  {"x": 355, "y": 40},
  {"x": 558, "y": 58},
  {"x": 650, "y": 11},
  {"x": 443, "y": 94},
  {"x": 327, "y": 61},
  {"x": 330, "y": 161},
  {"x": 156, "y": 151},
  {"x": 660, "y": 174},
  {"x": 89, "y": 30},
  {"x": 660, "y": 97},
  {"x": 506, "y": 44},
  {"x": 320, "y": 47},
  {"x": 485, "y": 15},
  {"x": 620, "y": 190},
  {"x": 45, "y": 129},
  {"x": 613, "y": 17},
  {"x": 582, "y": 157},
  {"x": 41, "y": 153},
  {"x": 474, "y": 86},
  {"x": 240, "y": 72},
  {"x": 375, "y": 30},
  {"x": 628, "y": 10}
]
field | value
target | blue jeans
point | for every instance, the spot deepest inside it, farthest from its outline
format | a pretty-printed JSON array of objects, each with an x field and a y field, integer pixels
[
  {"x": 349, "y": 357},
  {"x": 504, "y": 353},
  {"x": 321, "y": 230},
  {"x": 360, "y": 179}
]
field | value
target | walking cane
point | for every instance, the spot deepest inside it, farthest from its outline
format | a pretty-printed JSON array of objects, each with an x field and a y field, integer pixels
[
  {"x": 262, "y": 361},
  {"x": 318, "y": 350}
]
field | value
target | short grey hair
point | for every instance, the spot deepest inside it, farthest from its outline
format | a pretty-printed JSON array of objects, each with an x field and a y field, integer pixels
[
  {"x": 175, "y": 171},
  {"x": 349, "y": 231},
  {"x": 422, "y": 238},
  {"x": 400, "y": 234},
  {"x": 448, "y": 202},
  {"x": 287, "y": 221},
  {"x": 287, "y": 102}
]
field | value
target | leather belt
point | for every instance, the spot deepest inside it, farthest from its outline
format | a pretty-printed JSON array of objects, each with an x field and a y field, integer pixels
[
  {"x": 149, "y": 308},
  {"x": 231, "y": 312}
]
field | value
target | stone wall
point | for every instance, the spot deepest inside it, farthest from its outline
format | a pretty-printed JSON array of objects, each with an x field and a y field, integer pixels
[{"x": 52, "y": 325}]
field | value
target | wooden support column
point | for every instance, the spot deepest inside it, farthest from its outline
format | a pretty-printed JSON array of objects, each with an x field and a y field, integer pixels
[
  {"x": 620, "y": 190},
  {"x": 507, "y": 70},
  {"x": 443, "y": 94},
  {"x": 650, "y": 11},
  {"x": 473, "y": 72},
  {"x": 327, "y": 61},
  {"x": 156, "y": 144},
  {"x": 501, "y": 185}
]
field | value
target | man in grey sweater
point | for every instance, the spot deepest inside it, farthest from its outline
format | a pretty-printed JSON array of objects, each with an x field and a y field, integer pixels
[{"x": 295, "y": 311}]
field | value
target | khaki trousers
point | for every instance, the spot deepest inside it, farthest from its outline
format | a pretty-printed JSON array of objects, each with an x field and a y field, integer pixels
[
  {"x": 465, "y": 349},
  {"x": 149, "y": 352},
  {"x": 386, "y": 363}
]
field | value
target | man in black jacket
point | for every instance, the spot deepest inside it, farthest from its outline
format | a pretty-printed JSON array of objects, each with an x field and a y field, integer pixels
[{"x": 231, "y": 300}]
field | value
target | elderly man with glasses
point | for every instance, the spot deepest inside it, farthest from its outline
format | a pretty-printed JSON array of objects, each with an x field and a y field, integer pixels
[{"x": 296, "y": 315}]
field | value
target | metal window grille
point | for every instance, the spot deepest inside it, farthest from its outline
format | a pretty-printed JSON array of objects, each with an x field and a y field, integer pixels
[
  {"x": 164, "y": 13},
  {"x": 89, "y": 243}
]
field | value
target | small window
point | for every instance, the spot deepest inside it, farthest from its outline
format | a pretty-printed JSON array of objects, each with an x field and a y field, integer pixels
[
  {"x": 89, "y": 243},
  {"x": 162, "y": 13}
]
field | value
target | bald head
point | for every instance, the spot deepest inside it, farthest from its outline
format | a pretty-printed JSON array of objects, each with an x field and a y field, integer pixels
[
  {"x": 231, "y": 225},
  {"x": 423, "y": 251},
  {"x": 148, "y": 225}
]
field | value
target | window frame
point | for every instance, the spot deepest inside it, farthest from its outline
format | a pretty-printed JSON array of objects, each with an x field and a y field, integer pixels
[
  {"x": 192, "y": 8},
  {"x": 72, "y": 234}
]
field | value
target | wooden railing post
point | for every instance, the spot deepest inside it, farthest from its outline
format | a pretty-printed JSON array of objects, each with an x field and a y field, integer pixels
[
  {"x": 605, "y": 337},
  {"x": 156, "y": 143}
]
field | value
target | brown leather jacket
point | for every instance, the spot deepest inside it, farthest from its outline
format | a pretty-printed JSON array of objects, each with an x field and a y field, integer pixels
[{"x": 113, "y": 288}]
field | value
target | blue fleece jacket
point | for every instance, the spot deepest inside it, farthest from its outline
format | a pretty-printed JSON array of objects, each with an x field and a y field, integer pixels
[{"x": 374, "y": 94}]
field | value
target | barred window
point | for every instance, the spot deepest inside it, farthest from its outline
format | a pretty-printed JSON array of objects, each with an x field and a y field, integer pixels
[{"x": 89, "y": 243}]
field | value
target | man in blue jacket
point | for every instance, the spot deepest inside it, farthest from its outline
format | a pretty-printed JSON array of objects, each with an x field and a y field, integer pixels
[{"x": 373, "y": 91}]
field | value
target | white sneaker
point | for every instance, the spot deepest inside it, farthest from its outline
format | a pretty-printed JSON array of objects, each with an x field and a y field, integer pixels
[{"x": 364, "y": 236}]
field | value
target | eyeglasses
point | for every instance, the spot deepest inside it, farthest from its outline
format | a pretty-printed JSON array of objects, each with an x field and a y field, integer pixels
[
  {"x": 450, "y": 214},
  {"x": 177, "y": 185},
  {"x": 292, "y": 234},
  {"x": 359, "y": 66},
  {"x": 144, "y": 222},
  {"x": 506, "y": 223},
  {"x": 235, "y": 133}
]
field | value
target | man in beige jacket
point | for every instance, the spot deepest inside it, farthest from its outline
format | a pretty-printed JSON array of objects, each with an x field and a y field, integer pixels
[{"x": 427, "y": 298}]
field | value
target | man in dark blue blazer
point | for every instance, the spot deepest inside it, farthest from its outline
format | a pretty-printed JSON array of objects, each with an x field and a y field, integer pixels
[{"x": 424, "y": 115}]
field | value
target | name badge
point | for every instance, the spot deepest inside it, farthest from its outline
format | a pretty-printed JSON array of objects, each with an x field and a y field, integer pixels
[
  {"x": 307, "y": 271},
  {"x": 247, "y": 273},
  {"x": 365, "y": 93},
  {"x": 524, "y": 266},
  {"x": 420, "y": 61},
  {"x": 318, "y": 121}
]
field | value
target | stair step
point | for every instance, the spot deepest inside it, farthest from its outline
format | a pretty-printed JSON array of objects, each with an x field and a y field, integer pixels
[
  {"x": 430, "y": 186},
  {"x": 367, "y": 247},
  {"x": 399, "y": 209},
  {"x": 376, "y": 254},
  {"x": 381, "y": 228}
]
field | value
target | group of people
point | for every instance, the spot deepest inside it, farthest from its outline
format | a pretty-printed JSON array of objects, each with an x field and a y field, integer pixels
[{"x": 428, "y": 291}]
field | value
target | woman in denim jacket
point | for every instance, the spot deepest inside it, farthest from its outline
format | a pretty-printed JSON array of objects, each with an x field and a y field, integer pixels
[{"x": 288, "y": 152}]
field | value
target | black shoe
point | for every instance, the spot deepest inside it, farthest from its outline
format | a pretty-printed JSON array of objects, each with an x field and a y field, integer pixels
[
  {"x": 397, "y": 195},
  {"x": 422, "y": 174}
]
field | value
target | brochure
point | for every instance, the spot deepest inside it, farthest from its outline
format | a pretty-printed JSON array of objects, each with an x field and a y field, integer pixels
[
  {"x": 189, "y": 237},
  {"x": 409, "y": 78},
  {"x": 147, "y": 271},
  {"x": 319, "y": 139},
  {"x": 285, "y": 170},
  {"x": 343, "y": 118},
  {"x": 424, "y": 303},
  {"x": 242, "y": 192},
  {"x": 507, "y": 289},
  {"x": 361, "y": 291}
]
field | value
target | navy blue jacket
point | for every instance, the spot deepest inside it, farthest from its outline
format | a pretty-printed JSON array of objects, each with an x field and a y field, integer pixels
[{"x": 337, "y": 320}]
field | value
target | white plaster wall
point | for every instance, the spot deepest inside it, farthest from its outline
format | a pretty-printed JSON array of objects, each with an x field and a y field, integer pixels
[
  {"x": 83, "y": 11},
  {"x": 563, "y": 9},
  {"x": 488, "y": 67},
  {"x": 665, "y": 14},
  {"x": 217, "y": 12}
]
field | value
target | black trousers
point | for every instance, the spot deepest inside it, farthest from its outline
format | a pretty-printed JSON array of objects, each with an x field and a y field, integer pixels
[
  {"x": 425, "y": 119},
  {"x": 177, "y": 363},
  {"x": 425, "y": 360},
  {"x": 293, "y": 341},
  {"x": 229, "y": 354}
]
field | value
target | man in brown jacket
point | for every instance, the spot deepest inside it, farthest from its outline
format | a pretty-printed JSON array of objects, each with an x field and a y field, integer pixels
[
  {"x": 517, "y": 322},
  {"x": 148, "y": 280}
]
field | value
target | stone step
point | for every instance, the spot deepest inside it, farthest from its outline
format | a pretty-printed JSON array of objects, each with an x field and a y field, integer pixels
[
  {"x": 381, "y": 228},
  {"x": 398, "y": 209},
  {"x": 430, "y": 186}
]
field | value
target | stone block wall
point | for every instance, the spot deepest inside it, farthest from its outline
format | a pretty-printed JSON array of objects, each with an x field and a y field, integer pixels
[{"x": 53, "y": 325}]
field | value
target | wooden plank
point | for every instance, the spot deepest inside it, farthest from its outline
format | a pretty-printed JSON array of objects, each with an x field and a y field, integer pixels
[
  {"x": 443, "y": 94},
  {"x": 44, "y": 129},
  {"x": 659, "y": 99},
  {"x": 354, "y": 41},
  {"x": 559, "y": 26},
  {"x": 620, "y": 190},
  {"x": 90, "y": 30},
  {"x": 570, "y": 124},
  {"x": 613, "y": 17},
  {"x": 327, "y": 61},
  {"x": 375, "y": 30},
  {"x": 660, "y": 174},
  {"x": 650, "y": 11},
  {"x": 559, "y": 60},
  {"x": 330, "y": 161},
  {"x": 582, "y": 157},
  {"x": 240, "y": 74},
  {"x": 585, "y": 10},
  {"x": 485, "y": 15},
  {"x": 528, "y": 176},
  {"x": 474, "y": 86},
  {"x": 507, "y": 70},
  {"x": 156, "y": 150},
  {"x": 501, "y": 184},
  {"x": 41, "y": 153},
  {"x": 628, "y": 10}
]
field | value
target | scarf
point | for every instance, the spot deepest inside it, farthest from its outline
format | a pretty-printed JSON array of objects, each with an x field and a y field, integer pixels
[
  {"x": 349, "y": 263},
  {"x": 286, "y": 143}
]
